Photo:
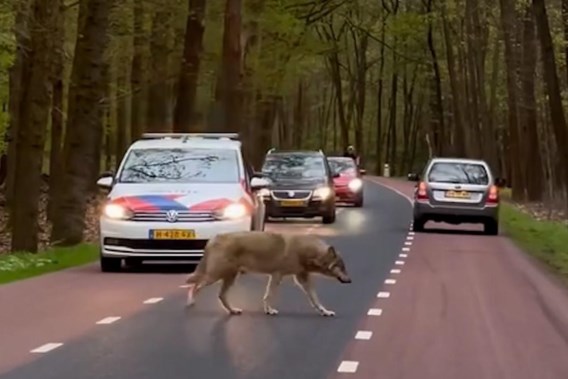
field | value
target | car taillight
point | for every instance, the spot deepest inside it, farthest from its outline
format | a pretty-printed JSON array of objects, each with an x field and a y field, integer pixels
[
  {"x": 422, "y": 193},
  {"x": 493, "y": 195}
]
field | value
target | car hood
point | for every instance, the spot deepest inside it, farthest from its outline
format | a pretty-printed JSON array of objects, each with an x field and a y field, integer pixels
[
  {"x": 165, "y": 197},
  {"x": 297, "y": 184}
]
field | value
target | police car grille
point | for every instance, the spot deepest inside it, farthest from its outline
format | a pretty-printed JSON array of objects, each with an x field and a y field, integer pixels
[
  {"x": 182, "y": 216},
  {"x": 286, "y": 194}
]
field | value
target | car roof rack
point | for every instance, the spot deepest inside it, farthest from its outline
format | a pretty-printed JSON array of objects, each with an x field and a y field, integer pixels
[{"x": 186, "y": 136}]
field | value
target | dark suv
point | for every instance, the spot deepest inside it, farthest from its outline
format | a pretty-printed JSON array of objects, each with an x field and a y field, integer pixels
[{"x": 302, "y": 185}]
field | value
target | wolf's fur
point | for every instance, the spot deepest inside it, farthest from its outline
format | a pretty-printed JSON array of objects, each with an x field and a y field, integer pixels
[{"x": 274, "y": 254}]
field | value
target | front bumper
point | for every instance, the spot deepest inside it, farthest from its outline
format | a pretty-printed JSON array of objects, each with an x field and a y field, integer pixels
[
  {"x": 312, "y": 208},
  {"x": 347, "y": 195},
  {"x": 130, "y": 239},
  {"x": 453, "y": 213}
]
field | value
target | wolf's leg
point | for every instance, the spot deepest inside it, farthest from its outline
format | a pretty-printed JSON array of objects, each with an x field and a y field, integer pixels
[
  {"x": 194, "y": 289},
  {"x": 273, "y": 282},
  {"x": 304, "y": 282},
  {"x": 226, "y": 284}
]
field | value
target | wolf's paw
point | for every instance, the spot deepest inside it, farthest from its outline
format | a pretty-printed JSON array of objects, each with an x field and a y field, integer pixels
[
  {"x": 235, "y": 311},
  {"x": 327, "y": 313},
  {"x": 271, "y": 311}
]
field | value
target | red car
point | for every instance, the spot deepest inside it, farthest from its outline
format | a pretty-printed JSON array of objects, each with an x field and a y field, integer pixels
[{"x": 348, "y": 186}]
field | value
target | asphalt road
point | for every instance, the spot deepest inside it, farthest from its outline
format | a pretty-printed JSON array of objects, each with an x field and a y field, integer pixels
[
  {"x": 446, "y": 304},
  {"x": 58, "y": 314}
]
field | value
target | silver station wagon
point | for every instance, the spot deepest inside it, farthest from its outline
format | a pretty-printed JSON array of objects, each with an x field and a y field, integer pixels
[{"x": 456, "y": 191}]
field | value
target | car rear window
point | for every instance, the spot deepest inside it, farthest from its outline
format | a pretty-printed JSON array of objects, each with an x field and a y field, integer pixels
[
  {"x": 342, "y": 165},
  {"x": 458, "y": 173},
  {"x": 196, "y": 165},
  {"x": 294, "y": 166}
]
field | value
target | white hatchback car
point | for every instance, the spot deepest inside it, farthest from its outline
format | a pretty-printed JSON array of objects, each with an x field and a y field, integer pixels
[{"x": 172, "y": 193}]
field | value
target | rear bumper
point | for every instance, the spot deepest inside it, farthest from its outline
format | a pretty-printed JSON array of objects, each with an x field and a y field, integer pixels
[{"x": 453, "y": 213}]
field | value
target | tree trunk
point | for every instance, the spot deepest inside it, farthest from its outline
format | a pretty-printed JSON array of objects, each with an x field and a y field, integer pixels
[
  {"x": 159, "y": 92},
  {"x": 138, "y": 79},
  {"x": 189, "y": 72},
  {"x": 552, "y": 86},
  {"x": 231, "y": 73},
  {"x": 36, "y": 92},
  {"x": 85, "y": 121},
  {"x": 57, "y": 111}
]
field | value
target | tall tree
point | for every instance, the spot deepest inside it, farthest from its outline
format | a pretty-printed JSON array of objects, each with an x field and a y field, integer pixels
[
  {"x": 189, "y": 73},
  {"x": 36, "y": 91},
  {"x": 85, "y": 121}
]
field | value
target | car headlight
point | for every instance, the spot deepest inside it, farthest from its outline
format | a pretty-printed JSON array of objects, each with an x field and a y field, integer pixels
[
  {"x": 233, "y": 212},
  {"x": 322, "y": 193},
  {"x": 117, "y": 212},
  {"x": 355, "y": 184}
]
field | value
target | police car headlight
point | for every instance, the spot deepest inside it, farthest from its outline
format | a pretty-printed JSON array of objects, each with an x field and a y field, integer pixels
[
  {"x": 322, "y": 193},
  {"x": 117, "y": 212},
  {"x": 233, "y": 212},
  {"x": 355, "y": 185}
]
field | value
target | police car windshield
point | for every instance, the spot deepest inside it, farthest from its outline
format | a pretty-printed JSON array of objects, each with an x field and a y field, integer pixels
[
  {"x": 195, "y": 165},
  {"x": 342, "y": 165},
  {"x": 294, "y": 166}
]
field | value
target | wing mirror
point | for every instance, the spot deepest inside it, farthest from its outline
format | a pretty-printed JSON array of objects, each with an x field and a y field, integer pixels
[
  {"x": 257, "y": 183},
  {"x": 106, "y": 180}
]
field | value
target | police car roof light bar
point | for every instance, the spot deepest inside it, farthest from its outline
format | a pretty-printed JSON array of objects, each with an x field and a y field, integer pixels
[{"x": 230, "y": 136}]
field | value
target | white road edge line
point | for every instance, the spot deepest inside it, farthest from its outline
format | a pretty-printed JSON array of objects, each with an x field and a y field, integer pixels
[
  {"x": 47, "y": 347},
  {"x": 390, "y": 281},
  {"x": 405, "y": 249},
  {"x": 411, "y": 233},
  {"x": 363, "y": 335},
  {"x": 399, "y": 263},
  {"x": 108, "y": 320},
  {"x": 394, "y": 190},
  {"x": 409, "y": 238},
  {"x": 153, "y": 300},
  {"x": 348, "y": 366},
  {"x": 408, "y": 243},
  {"x": 403, "y": 255},
  {"x": 395, "y": 271},
  {"x": 383, "y": 295},
  {"x": 375, "y": 312},
  {"x": 184, "y": 286}
]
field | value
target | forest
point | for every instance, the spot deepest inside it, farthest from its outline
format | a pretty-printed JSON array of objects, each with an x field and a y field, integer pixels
[{"x": 400, "y": 80}]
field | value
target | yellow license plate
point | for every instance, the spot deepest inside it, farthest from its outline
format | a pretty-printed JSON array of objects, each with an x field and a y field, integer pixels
[
  {"x": 292, "y": 203},
  {"x": 458, "y": 194},
  {"x": 172, "y": 234}
]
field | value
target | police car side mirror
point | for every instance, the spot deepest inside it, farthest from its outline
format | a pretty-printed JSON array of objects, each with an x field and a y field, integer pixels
[
  {"x": 257, "y": 184},
  {"x": 106, "y": 180}
]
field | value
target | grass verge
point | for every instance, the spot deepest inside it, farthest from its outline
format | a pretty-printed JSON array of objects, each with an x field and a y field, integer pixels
[
  {"x": 545, "y": 240},
  {"x": 18, "y": 266}
]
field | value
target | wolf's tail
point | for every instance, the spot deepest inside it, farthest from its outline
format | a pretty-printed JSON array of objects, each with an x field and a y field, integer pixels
[{"x": 199, "y": 271}]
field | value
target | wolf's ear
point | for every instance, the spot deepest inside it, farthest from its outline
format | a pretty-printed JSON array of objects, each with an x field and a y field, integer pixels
[{"x": 331, "y": 251}]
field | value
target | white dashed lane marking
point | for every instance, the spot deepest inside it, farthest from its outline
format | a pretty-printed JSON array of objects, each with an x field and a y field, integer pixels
[
  {"x": 403, "y": 255},
  {"x": 375, "y": 312},
  {"x": 410, "y": 233},
  {"x": 405, "y": 249},
  {"x": 47, "y": 348},
  {"x": 153, "y": 300},
  {"x": 408, "y": 243},
  {"x": 390, "y": 281},
  {"x": 395, "y": 271},
  {"x": 409, "y": 238},
  {"x": 108, "y": 320},
  {"x": 383, "y": 295},
  {"x": 363, "y": 335},
  {"x": 184, "y": 286},
  {"x": 348, "y": 366},
  {"x": 399, "y": 263}
]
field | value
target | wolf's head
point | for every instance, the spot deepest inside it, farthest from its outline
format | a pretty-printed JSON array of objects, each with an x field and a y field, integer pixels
[{"x": 331, "y": 264}]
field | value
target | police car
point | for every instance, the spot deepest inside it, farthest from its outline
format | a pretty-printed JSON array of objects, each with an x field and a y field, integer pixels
[{"x": 172, "y": 193}]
